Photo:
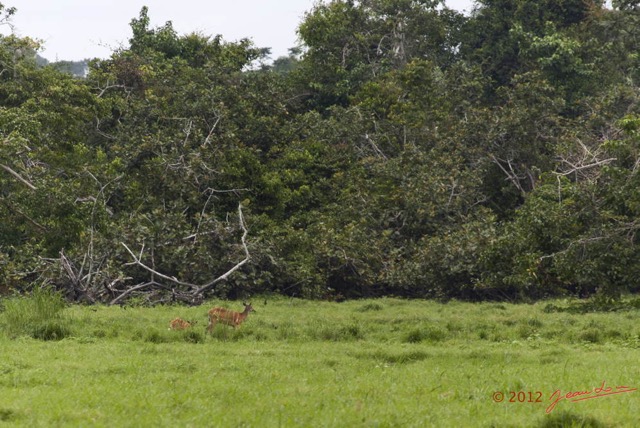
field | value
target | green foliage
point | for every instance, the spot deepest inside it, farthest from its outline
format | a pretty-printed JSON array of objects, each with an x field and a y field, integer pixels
[
  {"x": 494, "y": 37},
  {"x": 403, "y": 149},
  {"x": 350, "y": 43}
]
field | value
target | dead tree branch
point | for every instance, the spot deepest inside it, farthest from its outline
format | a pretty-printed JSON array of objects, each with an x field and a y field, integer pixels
[
  {"x": 131, "y": 290},
  {"x": 18, "y": 176},
  {"x": 79, "y": 286},
  {"x": 583, "y": 162},
  {"x": 25, "y": 216},
  {"x": 109, "y": 86},
  {"x": 197, "y": 290},
  {"x": 138, "y": 262},
  {"x": 511, "y": 174},
  {"x": 211, "y": 131},
  {"x": 247, "y": 257},
  {"x": 577, "y": 168}
]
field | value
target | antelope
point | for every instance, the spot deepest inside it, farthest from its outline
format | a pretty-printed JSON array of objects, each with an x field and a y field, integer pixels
[
  {"x": 228, "y": 317},
  {"x": 179, "y": 324}
]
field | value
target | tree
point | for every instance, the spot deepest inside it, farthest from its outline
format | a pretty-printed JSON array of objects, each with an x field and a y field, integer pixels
[
  {"x": 402, "y": 149},
  {"x": 348, "y": 43},
  {"x": 494, "y": 34}
]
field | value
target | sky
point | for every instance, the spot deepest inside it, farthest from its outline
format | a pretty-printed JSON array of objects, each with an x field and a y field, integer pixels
[{"x": 78, "y": 29}]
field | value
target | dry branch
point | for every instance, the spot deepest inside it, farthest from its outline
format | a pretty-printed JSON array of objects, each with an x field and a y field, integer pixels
[
  {"x": 197, "y": 290},
  {"x": 109, "y": 86},
  {"x": 511, "y": 174},
  {"x": 18, "y": 176},
  {"x": 20, "y": 213},
  {"x": 224, "y": 276},
  {"x": 131, "y": 290},
  {"x": 576, "y": 168},
  {"x": 584, "y": 162}
]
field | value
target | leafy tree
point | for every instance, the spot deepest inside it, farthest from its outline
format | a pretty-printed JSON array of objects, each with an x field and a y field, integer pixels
[
  {"x": 348, "y": 43},
  {"x": 495, "y": 35},
  {"x": 402, "y": 149}
]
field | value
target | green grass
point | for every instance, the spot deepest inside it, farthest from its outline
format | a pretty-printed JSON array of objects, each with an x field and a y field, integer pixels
[
  {"x": 40, "y": 315},
  {"x": 386, "y": 363}
]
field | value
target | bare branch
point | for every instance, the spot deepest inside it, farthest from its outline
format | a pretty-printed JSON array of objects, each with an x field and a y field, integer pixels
[
  {"x": 576, "y": 168},
  {"x": 138, "y": 262},
  {"x": 111, "y": 286},
  {"x": 68, "y": 267},
  {"x": 376, "y": 149},
  {"x": 197, "y": 289},
  {"x": 195, "y": 236},
  {"x": 510, "y": 173},
  {"x": 223, "y": 277},
  {"x": 452, "y": 194},
  {"x": 20, "y": 213},
  {"x": 6, "y": 19},
  {"x": 202, "y": 213},
  {"x": 131, "y": 290},
  {"x": 107, "y": 87},
  {"x": 213, "y": 128},
  {"x": 241, "y": 189},
  {"x": 16, "y": 175},
  {"x": 583, "y": 161},
  {"x": 78, "y": 284}
]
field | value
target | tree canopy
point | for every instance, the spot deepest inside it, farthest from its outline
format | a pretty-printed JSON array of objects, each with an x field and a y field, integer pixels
[{"x": 403, "y": 149}]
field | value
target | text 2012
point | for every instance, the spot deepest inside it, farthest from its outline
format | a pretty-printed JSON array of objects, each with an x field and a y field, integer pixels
[{"x": 518, "y": 397}]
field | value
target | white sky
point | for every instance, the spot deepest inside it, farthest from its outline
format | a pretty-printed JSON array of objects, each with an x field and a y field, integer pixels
[{"x": 78, "y": 29}]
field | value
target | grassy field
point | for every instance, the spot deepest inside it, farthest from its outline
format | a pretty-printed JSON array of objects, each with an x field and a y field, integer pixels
[{"x": 295, "y": 363}]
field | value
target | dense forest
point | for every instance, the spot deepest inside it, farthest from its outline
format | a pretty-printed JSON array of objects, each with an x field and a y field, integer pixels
[{"x": 402, "y": 149}]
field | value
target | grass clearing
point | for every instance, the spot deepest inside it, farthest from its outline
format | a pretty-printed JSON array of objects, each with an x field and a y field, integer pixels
[{"x": 384, "y": 362}]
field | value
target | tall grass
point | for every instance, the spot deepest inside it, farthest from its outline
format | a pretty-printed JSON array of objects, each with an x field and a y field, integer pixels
[{"x": 39, "y": 315}]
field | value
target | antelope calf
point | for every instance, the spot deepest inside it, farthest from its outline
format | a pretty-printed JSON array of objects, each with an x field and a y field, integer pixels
[
  {"x": 179, "y": 324},
  {"x": 228, "y": 317}
]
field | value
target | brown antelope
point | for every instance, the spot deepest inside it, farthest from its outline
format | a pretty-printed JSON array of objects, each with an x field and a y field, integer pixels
[
  {"x": 228, "y": 317},
  {"x": 179, "y": 324}
]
